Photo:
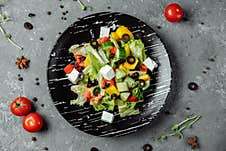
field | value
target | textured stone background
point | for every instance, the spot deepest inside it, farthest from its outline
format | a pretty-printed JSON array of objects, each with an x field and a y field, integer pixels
[{"x": 191, "y": 45}]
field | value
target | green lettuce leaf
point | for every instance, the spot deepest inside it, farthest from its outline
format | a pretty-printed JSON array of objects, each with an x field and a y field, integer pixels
[
  {"x": 106, "y": 104},
  {"x": 79, "y": 90},
  {"x": 127, "y": 109},
  {"x": 137, "y": 49}
]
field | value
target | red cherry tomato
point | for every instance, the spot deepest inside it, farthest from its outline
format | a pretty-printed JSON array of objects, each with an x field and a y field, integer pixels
[
  {"x": 33, "y": 122},
  {"x": 20, "y": 106},
  {"x": 103, "y": 40},
  {"x": 174, "y": 12},
  {"x": 113, "y": 51},
  {"x": 143, "y": 68},
  {"x": 69, "y": 68},
  {"x": 132, "y": 99}
]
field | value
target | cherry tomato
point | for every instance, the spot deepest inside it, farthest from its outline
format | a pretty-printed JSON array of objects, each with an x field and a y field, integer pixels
[
  {"x": 33, "y": 122},
  {"x": 103, "y": 40},
  {"x": 87, "y": 94},
  {"x": 110, "y": 82},
  {"x": 174, "y": 12},
  {"x": 20, "y": 106},
  {"x": 113, "y": 51},
  {"x": 143, "y": 68},
  {"x": 132, "y": 99},
  {"x": 69, "y": 68}
]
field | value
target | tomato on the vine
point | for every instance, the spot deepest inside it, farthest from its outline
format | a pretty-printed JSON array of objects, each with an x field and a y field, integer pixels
[
  {"x": 20, "y": 106},
  {"x": 33, "y": 122},
  {"x": 174, "y": 12}
]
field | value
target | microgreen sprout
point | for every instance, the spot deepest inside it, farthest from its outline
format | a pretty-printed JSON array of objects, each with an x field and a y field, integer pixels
[
  {"x": 82, "y": 5},
  {"x": 178, "y": 128},
  {"x": 5, "y": 19}
]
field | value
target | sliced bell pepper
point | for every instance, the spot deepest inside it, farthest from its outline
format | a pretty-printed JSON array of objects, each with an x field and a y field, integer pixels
[
  {"x": 145, "y": 77},
  {"x": 127, "y": 49},
  {"x": 130, "y": 66},
  {"x": 124, "y": 30},
  {"x": 115, "y": 36},
  {"x": 112, "y": 90},
  {"x": 69, "y": 68}
]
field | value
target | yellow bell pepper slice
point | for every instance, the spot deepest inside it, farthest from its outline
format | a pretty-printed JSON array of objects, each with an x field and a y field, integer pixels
[
  {"x": 112, "y": 90},
  {"x": 121, "y": 30},
  {"x": 131, "y": 66},
  {"x": 114, "y": 36},
  {"x": 145, "y": 77},
  {"x": 127, "y": 49},
  {"x": 87, "y": 61}
]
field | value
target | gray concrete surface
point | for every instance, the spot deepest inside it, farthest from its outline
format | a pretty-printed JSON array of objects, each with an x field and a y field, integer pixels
[{"x": 190, "y": 42}]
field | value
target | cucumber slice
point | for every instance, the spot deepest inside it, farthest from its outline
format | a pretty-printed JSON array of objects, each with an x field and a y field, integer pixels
[
  {"x": 122, "y": 86},
  {"x": 107, "y": 46},
  {"x": 124, "y": 96},
  {"x": 121, "y": 54}
]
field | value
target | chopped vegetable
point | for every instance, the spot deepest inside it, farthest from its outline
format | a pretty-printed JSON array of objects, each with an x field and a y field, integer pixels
[
  {"x": 120, "y": 73},
  {"x": 115, "y": 36},
  {"x": 123, "y": 30},
  {"x": 112, "y": 90},
  {"x": 137, "y": 49},
  {"x": 69, "y": 68},
  {"x": 122, "y": 87}
]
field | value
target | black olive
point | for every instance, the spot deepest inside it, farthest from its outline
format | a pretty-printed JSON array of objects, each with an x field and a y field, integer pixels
[
  {"x": 82, "y": 58},
  {"x": 121, "y": 61},
  {"x": 81, "y": 76},
  {"x": 138, "y": 35},
  {"x": 94, "y": 44},
  {"x": 96, "y": 91},
  {"x": 135, "y": 75},
  {"x": 147, "y": 147},
  {"x": 131, "y": 59},
  {"x": 114, "y": 96},
  {"x": 94, "y": 82},
  {"x": 89, "y": 85},
  {"x": 125, "y": 38},
  {"x": 107, "y": 85},
  {"x": 141, "y": 83}
]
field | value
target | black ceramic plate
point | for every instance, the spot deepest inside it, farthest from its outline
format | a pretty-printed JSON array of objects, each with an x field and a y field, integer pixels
[{"x": 85, "y": 118}]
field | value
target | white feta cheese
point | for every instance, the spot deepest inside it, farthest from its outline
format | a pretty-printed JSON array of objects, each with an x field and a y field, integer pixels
[
  {"x": 107, "y": 72},
  {"x": 107, "y": 117},
  {"x": 73, "y": 76},
  {"x": 104, "y": 31},
  {"x": 150, "y": 64}
]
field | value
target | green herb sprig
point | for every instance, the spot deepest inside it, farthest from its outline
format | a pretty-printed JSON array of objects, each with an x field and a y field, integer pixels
[
  {"x": 83, "y": 6},
  {"x": 5, "y": 19},
  {"x": 178, "y": 128}
]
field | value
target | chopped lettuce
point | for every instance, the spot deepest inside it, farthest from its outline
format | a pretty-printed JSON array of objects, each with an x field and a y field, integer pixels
[
  {"x": 137, "y": 49},
  {"x": 79, "y": 90},
  {"x": 127, "y": 109},
  {"x": 94, "y": 53},
  {"x": 106, "y": 104}
]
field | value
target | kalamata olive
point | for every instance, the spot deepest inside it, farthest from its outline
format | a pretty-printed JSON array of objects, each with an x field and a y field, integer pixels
[
  {"x": 89, "y": 84},
  {"x": 107, "y": 85},
  {"x": 141, "y": 83},
  {"x": 131, "y": 59},
  {"x": 94, "y": 44},
  {"x": 94, "y": 82},
  {"x": 81, "y": 76},
  {"x": 125, "y": 38},
  {"x": 96, "y": 91},
  {"x": 114, "y": 96},
  {"x": 83, "y": 58},
  {"x": 135, "y": 75},
  {"x": 94, "y": 149}
]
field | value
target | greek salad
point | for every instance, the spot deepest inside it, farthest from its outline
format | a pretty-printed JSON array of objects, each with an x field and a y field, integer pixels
[{"x": 110, "y": 71}]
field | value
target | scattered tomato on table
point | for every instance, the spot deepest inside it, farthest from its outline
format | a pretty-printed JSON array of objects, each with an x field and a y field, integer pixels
[
  {"x": 174, "y": 12},
  {"x": 33, "y": 122},
  {"x": 21, "y": 106}
]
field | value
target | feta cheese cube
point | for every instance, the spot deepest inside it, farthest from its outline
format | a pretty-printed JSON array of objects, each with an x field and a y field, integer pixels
[
  {"x": 150, "y": 64},
  {"x": 73, "y": 76},
  {"x": 104, "y": 32},
  {"x": 107, "y": 117},
  {"x": 107, "y": 72}
]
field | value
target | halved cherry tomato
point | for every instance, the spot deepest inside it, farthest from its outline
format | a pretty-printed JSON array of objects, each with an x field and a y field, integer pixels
[
  {"x": 132, "y": 99},
  {"x": 143, "y": 68},
  {"x": 110, "y": 82},
  {"x": 174, "y": 12},
  {"x": 69, "y": 68},
  {"x": 87, "y": 94},
  {"x": 33, "y": 122},
  {"x": 103, "y": 40},
  {"x": 20, "y": 106},
  {"x": 113, "y": 51},
  {"x": 97, "y": 99}
]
